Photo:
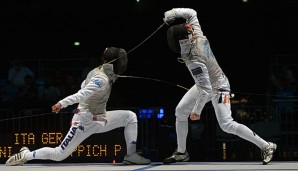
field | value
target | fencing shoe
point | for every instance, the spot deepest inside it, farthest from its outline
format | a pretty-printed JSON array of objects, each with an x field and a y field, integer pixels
[
  {"x": 135, "y": 159},
  {"x": 177, "y": 157},
  {"x": 267, "y": 153},
  {"x": 18, "y": 158}
]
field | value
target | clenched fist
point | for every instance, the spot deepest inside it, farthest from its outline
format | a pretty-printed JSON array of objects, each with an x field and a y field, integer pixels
[{"x": 194, "y": 116}]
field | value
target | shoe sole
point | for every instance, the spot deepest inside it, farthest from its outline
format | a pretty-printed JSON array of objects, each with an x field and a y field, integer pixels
[
  {"x": 131, "y": 163},
  {"x": 127, "y": 162},
  {"x": 184, "y": 160}
]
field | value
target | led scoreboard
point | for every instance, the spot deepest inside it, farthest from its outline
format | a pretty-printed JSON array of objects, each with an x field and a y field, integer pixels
[
  {"x": 87, "y": 151},
  {"x": 49, "y": 131},
  {"x": 92, "y": 149},
  {"x": 96, "y": 148}
]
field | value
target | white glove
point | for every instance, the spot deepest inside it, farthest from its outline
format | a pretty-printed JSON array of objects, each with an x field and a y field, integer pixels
[{"x": 170, "y": 16}]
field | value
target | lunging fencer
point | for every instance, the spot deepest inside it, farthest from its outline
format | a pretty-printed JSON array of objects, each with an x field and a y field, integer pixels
[
  {"x": 91, "y": 116},
  {"x": 211, "y": 84}
]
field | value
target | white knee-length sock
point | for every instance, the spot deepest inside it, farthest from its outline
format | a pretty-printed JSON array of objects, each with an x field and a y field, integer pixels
[
  {"x": 247, "y": 134},
  {"x": 42, "y": 153},
  {"x": 182, "y": 131},
  {"x": 131, "y": 134}
]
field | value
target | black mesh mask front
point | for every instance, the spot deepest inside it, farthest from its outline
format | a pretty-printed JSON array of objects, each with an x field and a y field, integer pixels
[
  {"x": 174, "y": 34},
  {"x": 117, "y": 57}
]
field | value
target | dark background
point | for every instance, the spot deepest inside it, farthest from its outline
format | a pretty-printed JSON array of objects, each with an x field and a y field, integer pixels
[
  {"x": 245, "y": 37},
  {"x": 249, "y": 39}
]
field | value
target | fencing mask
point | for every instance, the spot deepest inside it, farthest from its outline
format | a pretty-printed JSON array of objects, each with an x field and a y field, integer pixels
[
  {"x": 175, "y": 35},
  {"x": 117, "y": 57}
]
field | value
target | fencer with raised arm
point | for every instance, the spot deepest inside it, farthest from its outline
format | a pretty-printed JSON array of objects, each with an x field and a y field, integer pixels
[{"x": 211, "y": 84}]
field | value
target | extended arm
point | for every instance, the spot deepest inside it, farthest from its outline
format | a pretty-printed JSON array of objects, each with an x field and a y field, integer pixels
[{"x": 96, "y": 84}]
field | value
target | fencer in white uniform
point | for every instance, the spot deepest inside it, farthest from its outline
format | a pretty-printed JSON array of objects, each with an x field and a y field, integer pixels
[
  {"x": 91, "y": 116},
  {"x": 211, "y": 83}
]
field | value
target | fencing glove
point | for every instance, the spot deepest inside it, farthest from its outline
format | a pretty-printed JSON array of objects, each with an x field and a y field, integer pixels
[{"x": 170, "y": 16}]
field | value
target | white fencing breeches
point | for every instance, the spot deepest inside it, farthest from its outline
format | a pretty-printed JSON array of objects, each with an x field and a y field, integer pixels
[
  {"x": 82, "y": 128},
  {"x": 222, "y": 108}
]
